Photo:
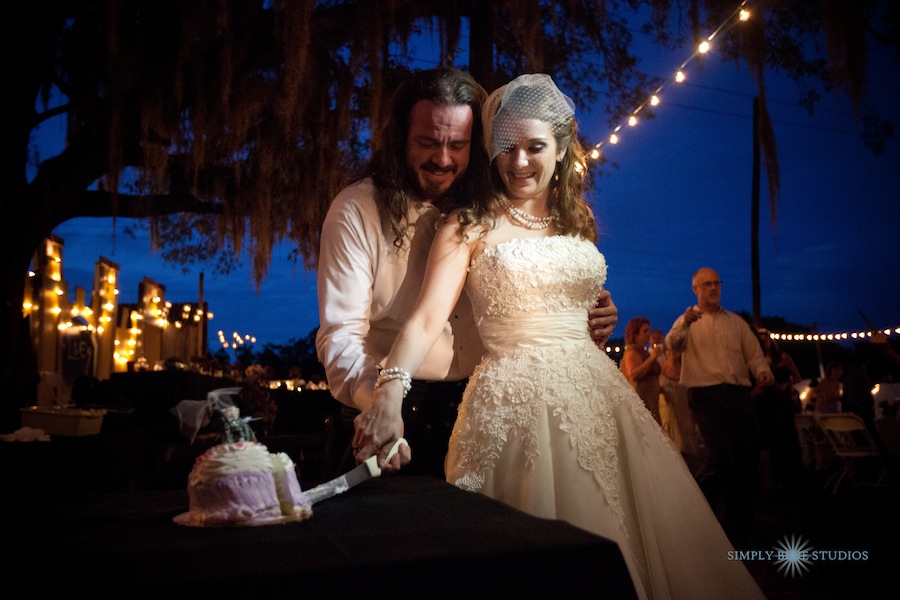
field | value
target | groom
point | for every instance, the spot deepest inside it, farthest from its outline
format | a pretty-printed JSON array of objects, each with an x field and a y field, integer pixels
[{"x": 373, "y": 248}]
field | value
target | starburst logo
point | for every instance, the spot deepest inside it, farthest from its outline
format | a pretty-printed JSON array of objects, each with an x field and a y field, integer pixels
[{"x": 794, "y": 555}]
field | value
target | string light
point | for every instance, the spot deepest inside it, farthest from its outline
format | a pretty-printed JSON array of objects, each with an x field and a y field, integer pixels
[
  {"x": 740, "y": 14},
  {"x": 806, "y": 337},
  {"x": 238, "y": 339},
  {"x": 830, "y": 337}
]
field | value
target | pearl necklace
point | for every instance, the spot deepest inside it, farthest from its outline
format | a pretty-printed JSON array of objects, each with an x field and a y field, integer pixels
[{"x": 521, "y": 218}]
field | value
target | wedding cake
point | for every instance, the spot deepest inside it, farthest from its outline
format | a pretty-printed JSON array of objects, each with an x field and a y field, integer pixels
[{"x": 242, "y": 484}]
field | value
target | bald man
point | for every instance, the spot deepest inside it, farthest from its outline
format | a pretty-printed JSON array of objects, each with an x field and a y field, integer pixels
[{"x": 720, "y": 355}]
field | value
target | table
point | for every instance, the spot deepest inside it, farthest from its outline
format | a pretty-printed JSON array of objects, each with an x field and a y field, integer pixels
[{"x": 393, "y": 537}]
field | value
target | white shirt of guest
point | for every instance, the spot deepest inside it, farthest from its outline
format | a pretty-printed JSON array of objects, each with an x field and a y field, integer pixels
[
  {"x": 366, "y": 289},
  {"x": 718, "y": 348}
]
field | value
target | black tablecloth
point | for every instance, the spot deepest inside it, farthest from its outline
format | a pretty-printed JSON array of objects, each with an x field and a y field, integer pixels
[{"x": 397, "y": 536}]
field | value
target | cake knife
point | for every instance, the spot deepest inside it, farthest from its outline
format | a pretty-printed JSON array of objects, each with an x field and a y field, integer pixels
[{"x": 365, "y": 470}]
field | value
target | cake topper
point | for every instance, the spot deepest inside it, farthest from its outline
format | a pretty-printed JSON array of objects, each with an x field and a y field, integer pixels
[{"x": 232, "y": 426}]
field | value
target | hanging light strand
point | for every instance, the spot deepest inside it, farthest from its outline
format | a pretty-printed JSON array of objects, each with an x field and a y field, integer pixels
[
  {"x": 831, "y": 337},
  {"x": 739, "y": 15}
]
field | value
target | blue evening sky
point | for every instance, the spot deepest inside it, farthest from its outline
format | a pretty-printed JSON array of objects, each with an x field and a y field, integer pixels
[{"x": 680, "y": 199}]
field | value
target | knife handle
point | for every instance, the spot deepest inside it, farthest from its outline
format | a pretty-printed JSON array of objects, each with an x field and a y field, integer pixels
[
  {"x": 372, "y": 461},
  {"x": 396, "y": 447}
]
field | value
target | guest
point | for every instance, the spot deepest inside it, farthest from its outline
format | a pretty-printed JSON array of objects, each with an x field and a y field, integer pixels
[
  {"x": 678, "y": 421},
  {"x": 667, "y": 418},
  {"x": 829, "y": 389},
  {"x": 781, "y": 457},
  {"x": 548, "y": 424},
  {"x": 666, "y": 413},
  {"x": 640, "y": 366},
  {"x": 880, "y": 340},
  {"x": 857, "y": 394},
  {"x": 720, "y": 352},
  {"x": 372, "y": 253},
  {"x": 658, "y": 339}
]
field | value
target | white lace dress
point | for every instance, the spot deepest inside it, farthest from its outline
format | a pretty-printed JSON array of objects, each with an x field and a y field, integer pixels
[{"x": 550, "y": 426}]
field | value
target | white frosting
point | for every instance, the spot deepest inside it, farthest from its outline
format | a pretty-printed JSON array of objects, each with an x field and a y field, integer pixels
[
  {"x": 281, "y": 462},
  {"x": 226, "y": 459}
]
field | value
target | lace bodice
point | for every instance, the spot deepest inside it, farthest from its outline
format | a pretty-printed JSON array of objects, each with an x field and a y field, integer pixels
[
  {"x": 534, "y": 290},
  {"x": 527, "y": 275}
]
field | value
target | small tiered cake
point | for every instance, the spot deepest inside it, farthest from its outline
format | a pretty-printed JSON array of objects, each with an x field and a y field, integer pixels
[{"x": 242, "y": 483}]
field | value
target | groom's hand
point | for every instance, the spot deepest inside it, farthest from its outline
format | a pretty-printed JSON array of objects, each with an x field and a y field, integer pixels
[{"x": 602, "y": 319}]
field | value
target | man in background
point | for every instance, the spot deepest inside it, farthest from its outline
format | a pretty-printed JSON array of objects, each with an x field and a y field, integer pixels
[
  {"x": 720, "y": 354},
  {"x": 373, "y": 249}
]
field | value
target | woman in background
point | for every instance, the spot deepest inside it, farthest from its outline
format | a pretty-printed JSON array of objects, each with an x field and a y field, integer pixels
[
  {"x": 640, "y": 365},
  {"x": 829, "y": 390},
  {"x": 678, "y": 420}
]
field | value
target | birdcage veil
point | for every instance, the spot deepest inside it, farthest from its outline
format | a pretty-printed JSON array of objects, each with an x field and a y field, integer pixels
[{"x": 532, "y": 96}]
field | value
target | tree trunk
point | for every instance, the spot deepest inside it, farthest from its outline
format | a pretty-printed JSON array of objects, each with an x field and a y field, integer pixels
[
  {"x": 481, "y": 45},
  {"x": 754, "y": 220},
  {"x": 18, "y": 363}
]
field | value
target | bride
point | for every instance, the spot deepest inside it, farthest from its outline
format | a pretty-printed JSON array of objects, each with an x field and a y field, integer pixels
[{"x": 548, "y": 424}]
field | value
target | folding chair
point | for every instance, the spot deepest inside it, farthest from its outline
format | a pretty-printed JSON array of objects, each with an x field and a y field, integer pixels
[
  {"x": 810, "y": 437},
  {"x": 860, "y": 459}
]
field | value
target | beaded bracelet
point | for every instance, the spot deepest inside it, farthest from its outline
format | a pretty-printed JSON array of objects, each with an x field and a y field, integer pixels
[{"x": 395, "y": 373}]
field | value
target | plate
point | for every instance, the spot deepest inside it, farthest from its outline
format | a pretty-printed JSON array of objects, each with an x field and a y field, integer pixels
[{"x": 186, "y": 520}]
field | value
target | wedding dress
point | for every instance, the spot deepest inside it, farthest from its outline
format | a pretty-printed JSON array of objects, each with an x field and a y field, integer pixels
[{"x": 550, "y": 426}]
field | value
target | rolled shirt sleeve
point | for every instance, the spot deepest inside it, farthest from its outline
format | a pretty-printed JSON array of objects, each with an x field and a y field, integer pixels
[
  {"x": 367, "y": 288},
  {"x": 676, "y": 339},
  {"x": 348, "y": 262}
]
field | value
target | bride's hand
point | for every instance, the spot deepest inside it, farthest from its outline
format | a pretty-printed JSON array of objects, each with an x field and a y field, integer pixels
[{"x": 380, "y": 425}]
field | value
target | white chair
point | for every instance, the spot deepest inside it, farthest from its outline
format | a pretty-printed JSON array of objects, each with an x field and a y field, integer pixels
[
  {"x": 809, "y": 436},
  {"x": 860, "y": 459}
]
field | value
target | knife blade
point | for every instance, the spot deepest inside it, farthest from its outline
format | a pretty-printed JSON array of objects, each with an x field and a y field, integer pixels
[{"x": 365, "y": 470}]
